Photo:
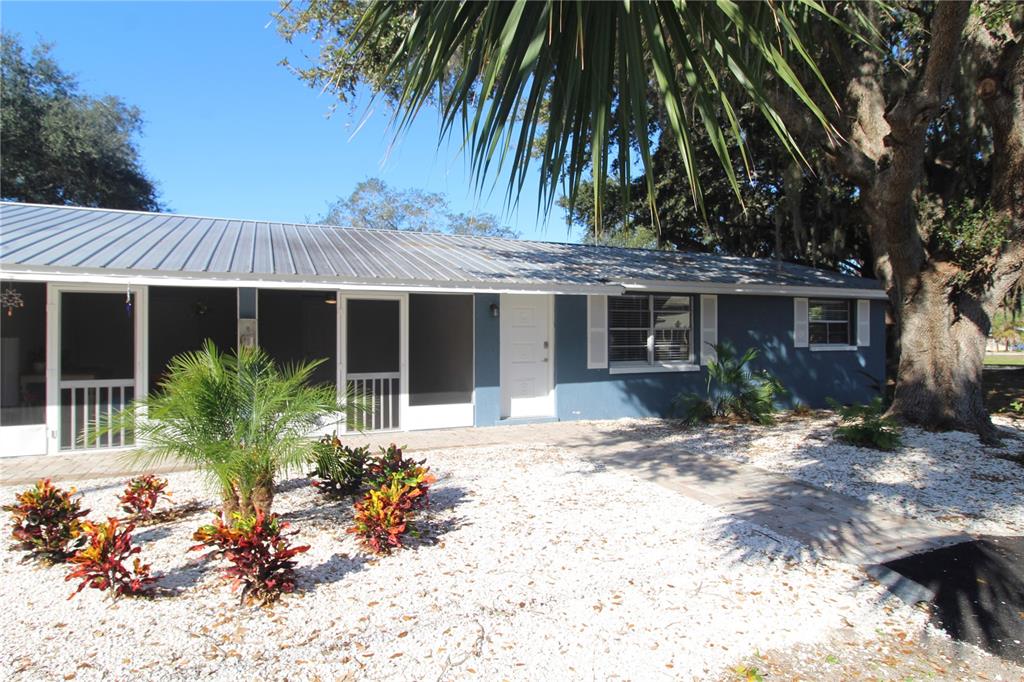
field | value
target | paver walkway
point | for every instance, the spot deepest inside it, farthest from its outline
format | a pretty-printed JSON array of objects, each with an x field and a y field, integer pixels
[{"x": 827, "y": 522}]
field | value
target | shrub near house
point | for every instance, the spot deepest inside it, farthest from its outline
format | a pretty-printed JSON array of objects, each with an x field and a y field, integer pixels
[
  {"x": 46, "y": 521},
  {"x": 141, "y": 495},
  {"x": 734, "y": 391},
  {"x": 399, "y": 487},
  {"x": 262, "y": 558},
  {"x": 100, "y": 564},
  {"x": 867, "y": 426},
  {"x": 338, "y": 468},
  {"x": 237, "y": 416}
]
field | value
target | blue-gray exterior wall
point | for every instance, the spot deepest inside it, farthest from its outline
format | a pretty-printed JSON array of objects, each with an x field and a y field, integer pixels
[
  {"x": 811, "y": 376},
  {"x": 762, "y": 322},
  {"x": 487, "y": 388}
]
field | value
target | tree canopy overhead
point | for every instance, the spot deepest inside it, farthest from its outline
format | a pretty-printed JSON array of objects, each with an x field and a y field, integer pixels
[
  {"x": 61, "y": 146},
  {"x": 554, "y": 83},
  {"x": 373, "y": 205}
]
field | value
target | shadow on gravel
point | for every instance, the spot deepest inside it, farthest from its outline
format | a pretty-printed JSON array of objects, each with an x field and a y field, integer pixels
[
  {"x": 182, "y": 577},
  {"x": 151, "y": 534},
  {"x": 336, "y": 568},
  {"x": 117, "y": 485},
  {"x": 697, "y": 462},
  {"x": 291, "y": 484},
  {"x": 325, "y": 509},
  {"x": 978, "y": 590}
]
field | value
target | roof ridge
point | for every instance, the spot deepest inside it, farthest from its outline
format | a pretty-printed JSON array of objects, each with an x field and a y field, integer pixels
[
  {"x": 793, "y": 268},
  {"x": 613, "y": 247},
  {"x": 276, "y": 222}
]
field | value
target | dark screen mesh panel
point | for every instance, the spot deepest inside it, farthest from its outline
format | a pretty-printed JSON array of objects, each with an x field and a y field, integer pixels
[
  {"x": 373, "y": 337},
  {"x": 300, "y": 326},
  {"x": 440, "y": 349},
  {"x": 97, "y": 336},
  {"x": 181, "y": 319},
  {"x": 97, "y": 366}
]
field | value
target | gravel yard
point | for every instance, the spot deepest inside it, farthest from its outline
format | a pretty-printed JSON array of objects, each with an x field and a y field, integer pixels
[
  {"x": 949, "y": 479},
  {"x": 533, "y": 565}
]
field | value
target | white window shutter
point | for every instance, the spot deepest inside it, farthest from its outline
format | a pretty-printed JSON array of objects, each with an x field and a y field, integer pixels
[
  {"x": 708, "y": 328},
  {"x": 597, "y": 332},
  {"x": 800, "y": 335},
  {"x": 863, "y": 322}
]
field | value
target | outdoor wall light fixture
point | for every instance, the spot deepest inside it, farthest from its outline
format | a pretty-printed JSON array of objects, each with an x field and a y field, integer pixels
[
  {"x": 331, "y": 301},
  {"x": 494, "y": 310}
]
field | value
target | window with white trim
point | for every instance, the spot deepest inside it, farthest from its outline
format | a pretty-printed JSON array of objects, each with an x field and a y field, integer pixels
[
  {"x": 829, "y": 322},
  {"x": 649, "y": 331}
]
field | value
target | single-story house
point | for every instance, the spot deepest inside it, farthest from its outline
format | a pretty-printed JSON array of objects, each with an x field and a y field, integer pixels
[{"x": 434, "y": 330}]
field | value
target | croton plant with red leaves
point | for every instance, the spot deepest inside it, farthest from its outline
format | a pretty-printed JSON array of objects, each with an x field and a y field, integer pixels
[
  {"x": 142, "y": 494},
  {"x": 385, "y": 514},
  {"x": 263, "y": 562},
  {"x": 390, "y": 466},
  {"x": 100, "y": 564},
  {"x": 46, "y": 520}
]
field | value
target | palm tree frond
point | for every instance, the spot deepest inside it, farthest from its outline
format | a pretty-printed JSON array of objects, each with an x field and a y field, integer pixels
[{"x": 566, "y": 84}]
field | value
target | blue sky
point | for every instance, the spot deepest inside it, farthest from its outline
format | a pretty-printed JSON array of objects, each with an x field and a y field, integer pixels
[{"x": 228, "y": 131}]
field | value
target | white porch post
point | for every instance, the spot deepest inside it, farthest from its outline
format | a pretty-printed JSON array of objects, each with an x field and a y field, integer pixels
[
  {"x": 342, "y": 305},
  {"x": 52, "y": 368},
  {"x": 403, "y": 360},
  {"x": 141, "y": 343}
]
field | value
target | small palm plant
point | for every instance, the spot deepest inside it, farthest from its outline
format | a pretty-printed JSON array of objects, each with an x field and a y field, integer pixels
[
  {"x": 236, "y": 416},
  {"x": 867, "y": 425},
  {"x": 733, "y": 390}
]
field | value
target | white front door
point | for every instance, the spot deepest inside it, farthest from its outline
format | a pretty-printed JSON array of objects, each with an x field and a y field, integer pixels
[{"x": 527, "y": 355}]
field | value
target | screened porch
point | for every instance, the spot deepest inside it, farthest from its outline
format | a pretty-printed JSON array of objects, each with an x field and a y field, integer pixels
[{"x": 75, "y": 354}]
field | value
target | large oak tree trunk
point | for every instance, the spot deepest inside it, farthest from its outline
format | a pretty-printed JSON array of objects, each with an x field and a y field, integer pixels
[
  {"x": 943, "y": 349},
  {"x": 882, "y": 149}
]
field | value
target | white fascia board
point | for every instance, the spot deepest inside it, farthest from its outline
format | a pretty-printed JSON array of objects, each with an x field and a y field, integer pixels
[
  {"x": 261, "y": 281},
  {"x": 751, "y": 289}
]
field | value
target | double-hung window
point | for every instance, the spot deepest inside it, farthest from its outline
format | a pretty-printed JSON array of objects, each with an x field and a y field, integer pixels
[
  {"x": 649, "y": 331},
  {"x": 829, "y": 322}
]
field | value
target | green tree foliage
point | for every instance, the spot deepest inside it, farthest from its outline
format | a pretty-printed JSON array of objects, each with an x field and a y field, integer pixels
[
  {"x": 624, "y": 237},
  {"x": 552, "y": 82},
  {"x": 60, "y": 146},
  {"x": 373, "y": 205},
  {"x": 347, "y": 58},
  {"x": 788, "y": 210}
]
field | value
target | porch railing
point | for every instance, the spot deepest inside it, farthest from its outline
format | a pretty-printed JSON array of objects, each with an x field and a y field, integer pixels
[
  {"x": 375, "y": 395},
  {"x": 85, "y": 405}
]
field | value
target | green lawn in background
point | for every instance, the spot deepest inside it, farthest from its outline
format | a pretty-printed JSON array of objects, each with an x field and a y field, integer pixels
[{"x": 1004, "y": 359}]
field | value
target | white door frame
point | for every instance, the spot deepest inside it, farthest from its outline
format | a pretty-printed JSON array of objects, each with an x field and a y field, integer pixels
[
  {"x": 343, "y": 297},
  {"x": 140, "y": 309},
  {"x": 504, "y": 369}
]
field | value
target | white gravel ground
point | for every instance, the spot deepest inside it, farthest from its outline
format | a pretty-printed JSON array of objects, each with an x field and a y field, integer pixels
[
  {"x": 950, "y": 479},
  {"x": 534, "y": 565}
]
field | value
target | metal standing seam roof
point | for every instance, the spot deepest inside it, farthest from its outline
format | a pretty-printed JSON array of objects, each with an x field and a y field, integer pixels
[{"x": 63, "y": 239}]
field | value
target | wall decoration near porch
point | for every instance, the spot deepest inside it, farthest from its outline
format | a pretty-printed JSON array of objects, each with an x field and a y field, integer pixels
[
  {"x": 11, "y": 299},
  {"x": 128, "y": 301}
]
